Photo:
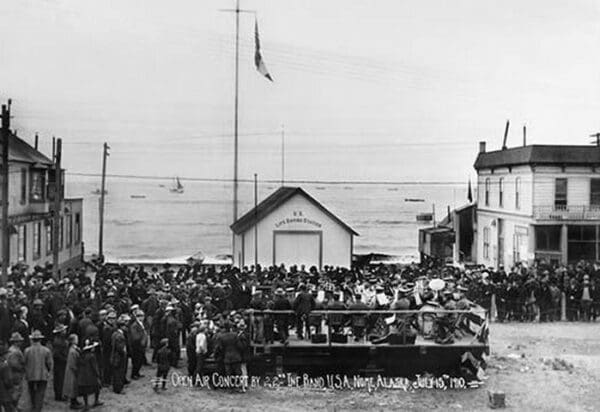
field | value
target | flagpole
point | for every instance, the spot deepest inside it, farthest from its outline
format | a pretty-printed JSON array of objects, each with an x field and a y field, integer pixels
[
  {"x": 235, "y": 122},
  {"x": 282, "y": 155}
]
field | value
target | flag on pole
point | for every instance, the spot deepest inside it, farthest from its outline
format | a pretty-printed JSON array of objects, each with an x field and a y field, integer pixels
[
  {"x": 469, "y": 193},
  {"x": 258, "y": 60}
]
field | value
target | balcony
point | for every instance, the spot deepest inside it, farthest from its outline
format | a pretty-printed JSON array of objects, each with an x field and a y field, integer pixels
[{"x": 570, "y": 212}]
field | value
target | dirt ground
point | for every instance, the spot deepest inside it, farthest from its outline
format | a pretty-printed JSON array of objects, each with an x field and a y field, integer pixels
[{"x": 540, "y": 367}]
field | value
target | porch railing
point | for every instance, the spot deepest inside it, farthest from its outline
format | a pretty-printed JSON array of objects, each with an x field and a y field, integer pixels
[{"x": 569, "y": 212}]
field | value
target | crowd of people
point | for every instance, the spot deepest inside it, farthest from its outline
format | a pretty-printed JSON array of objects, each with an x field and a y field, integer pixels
[{"x": 81, "y": 332}]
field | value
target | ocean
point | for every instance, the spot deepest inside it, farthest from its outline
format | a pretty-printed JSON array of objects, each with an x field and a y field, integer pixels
[{"x": 166, "y": 225}]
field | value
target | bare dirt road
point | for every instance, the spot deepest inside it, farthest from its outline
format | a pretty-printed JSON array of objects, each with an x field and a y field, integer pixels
[{"x": 540, "y": 367}]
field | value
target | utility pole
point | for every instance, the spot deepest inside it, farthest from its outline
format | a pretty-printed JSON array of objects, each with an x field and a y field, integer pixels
[
  {"x": 282, "y": 155},
  {"x": 5, "y": 130},
  {"x": 597, "y": 136},
  {"x": 102, "y": 191},
  {"x": 56, "y": 223},
  {"x": 255, "y": 221}
]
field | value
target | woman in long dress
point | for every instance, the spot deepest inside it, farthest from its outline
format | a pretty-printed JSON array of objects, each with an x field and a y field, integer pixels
[
  {"x": 88, "y": 374},
  {"x": 70, "y": 382}
]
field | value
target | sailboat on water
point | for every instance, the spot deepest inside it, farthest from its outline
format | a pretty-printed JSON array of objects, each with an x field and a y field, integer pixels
[{"x": 178, "y": 187}]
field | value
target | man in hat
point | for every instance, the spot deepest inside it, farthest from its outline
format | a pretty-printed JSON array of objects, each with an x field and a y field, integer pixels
[
  {"x": 108, "y": 328},
  {"x": 6, "y": 382},
  {"x": 38, "y": 366},
  {"x": 282, "y": 320},
  {"x": 60, "y": 351},
  {"x": 16, "y": 362},
  {"x": 21, "y": 325},
  {"x": 138, "y": 340},
  {"x": 5, "y": 316},
  {"x": 172, "y": 328},
  {"x": 119, "y": 354},
  {"x": 359, "y": 320},
  {"x": 303, "y": 305},
  {"x": 163, "y": 364}
]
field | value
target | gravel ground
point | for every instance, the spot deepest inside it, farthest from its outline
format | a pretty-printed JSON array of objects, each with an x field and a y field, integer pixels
[{"x": 540, "y": 367}]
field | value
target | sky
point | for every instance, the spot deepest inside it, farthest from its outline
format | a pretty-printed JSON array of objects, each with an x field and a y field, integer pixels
[{"x": 380, "y": 90}]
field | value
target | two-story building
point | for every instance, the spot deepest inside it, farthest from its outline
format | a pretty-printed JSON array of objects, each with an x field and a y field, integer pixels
[
  {"x": 538, "y": 202},
  {"x": 30, "y": 210}
]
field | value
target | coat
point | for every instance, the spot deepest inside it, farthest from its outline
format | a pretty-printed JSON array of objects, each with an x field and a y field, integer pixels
[
  {"x": 38, "y": 362},
  {"x": 138, "y": 338},
  {"x": 16, "y": 361},
  {"x": 6, "y": 383},
  {"x": 229, "y": 347},
  {"x": 88, "y": 373},
  {"x": 304, "y": 303},
  {"x": 70, "y": 383}
]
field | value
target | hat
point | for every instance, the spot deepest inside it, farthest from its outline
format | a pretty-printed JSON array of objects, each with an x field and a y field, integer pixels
[
  {"x": 59, "y": 328},
  {"x": 38, "y": 302},
  {"x": 123, "y": 319},
  {"x": 36, "y": 335},
  {"x": 135, "y": 307},
  {"x": 279, "y": 291},
  {"x": 111, "y": 315},
  {"x": 169, "y": 307},
  {"x": 139, "y": 312},
  {"x": 164, "y": 341},
  {"x": 16, "y": 337}
]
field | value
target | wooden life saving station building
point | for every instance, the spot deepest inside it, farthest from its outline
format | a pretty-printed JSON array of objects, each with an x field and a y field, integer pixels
[{"x": 293, "y": 228}]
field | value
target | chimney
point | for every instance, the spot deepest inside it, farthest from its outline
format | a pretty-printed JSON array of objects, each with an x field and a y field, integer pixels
[
  {"x": 35, "y": 146},
  {"x": 524, "y": 135},
  {"x": 482, "y": 147},
  {"x": 505, "y": 135}
]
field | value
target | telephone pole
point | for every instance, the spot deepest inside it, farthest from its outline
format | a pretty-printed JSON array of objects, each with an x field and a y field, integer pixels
[
  {"x": 56, "y": 223},
  {"x": 5, "y": 130},
  {"x": 102, "y": 192},
  {"x": 282, "y": 155}
]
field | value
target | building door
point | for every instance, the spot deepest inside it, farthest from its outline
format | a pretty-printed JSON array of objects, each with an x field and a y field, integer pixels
[
  {"x": 297, "y": 248},
  {"x": 520, "y": 244}
]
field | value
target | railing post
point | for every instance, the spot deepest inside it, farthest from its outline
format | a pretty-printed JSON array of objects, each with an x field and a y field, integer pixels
[{"x": 328, "y": 329}]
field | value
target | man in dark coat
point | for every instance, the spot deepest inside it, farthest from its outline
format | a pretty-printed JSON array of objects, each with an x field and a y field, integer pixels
[
  {"x": 38, "y": 366},
  {"x": 359, "y": 320},
  {"x": 228, "y": 350},
  {"x": 108, "y": 328},
  {"x": 303, "y": 304},
  {"x": 138, "y": 340},
  {"x": 119, "y": 354},
  {"x": 5, "y": 324},
  {"x": 60, "y": 350},
  {"x": 6, "y": 383},
  {"x": 172, "y": 327},
  {"x": 282, "y": 320}
]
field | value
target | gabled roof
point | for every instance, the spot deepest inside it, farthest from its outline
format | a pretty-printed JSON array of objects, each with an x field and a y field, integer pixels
[
  {"x": 21, "y": 151},
  {"x": 540, "y": 155},
  {"x": 276, "y": 199}
]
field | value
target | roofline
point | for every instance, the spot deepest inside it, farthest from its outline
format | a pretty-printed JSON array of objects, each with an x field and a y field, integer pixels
[{"x": 296, "y": 191}]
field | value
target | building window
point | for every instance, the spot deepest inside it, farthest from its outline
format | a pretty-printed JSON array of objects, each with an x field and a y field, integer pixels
[
  {"x": 518, "y": 193},
  {"x": 69, "y": 230},
  {"x": 595, "y": 193},
  {"x": 61, "y": 233},
  {"x": 38, "y": 180},
  {"x": 77, "y": 229},
  {"x": 487, "y": 191},
  {"x": 37, "y": 240},
  {"x": 581, "y": 243},
  {"x": 22, "y": 243},
  {"x": 501, "y": 192},
  {"x": 23, "y": 186},
  {"x": 49, "y": 237},
  {"x": 486, "y": 242},
  {"x": 560, "y": 193},
  {"x": 547, "y": 238}
]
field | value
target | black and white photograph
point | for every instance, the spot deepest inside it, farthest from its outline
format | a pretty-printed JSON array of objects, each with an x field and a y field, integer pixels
[{"x": 286, "y": 205}]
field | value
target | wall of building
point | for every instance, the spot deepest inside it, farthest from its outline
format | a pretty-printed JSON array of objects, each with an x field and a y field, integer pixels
[
  {"x": 297, "y": 214},
  {"x": 518, "y": 239},
  {"x": 578, "y": 184},
  {"x": 509, "y": 178}
]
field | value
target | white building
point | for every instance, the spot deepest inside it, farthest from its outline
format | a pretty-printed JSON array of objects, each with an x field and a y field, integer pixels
[
  {"x": 294, "y": 229},
  {"x": 538, "y": 202}
]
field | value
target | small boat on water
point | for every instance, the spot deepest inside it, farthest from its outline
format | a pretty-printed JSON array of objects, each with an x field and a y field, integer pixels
[
  {"x": 138, "y": 196},
  {"x": 425, "y": 217},
  {"x": 392, "y": 189},
  {"x": 320, "y": 188},
  {"x": 98, "y": 192},
  {"x": 178, "y": 187},
  {"x": 347, "y": 188},
  {"x": 410, "y": 199}
]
